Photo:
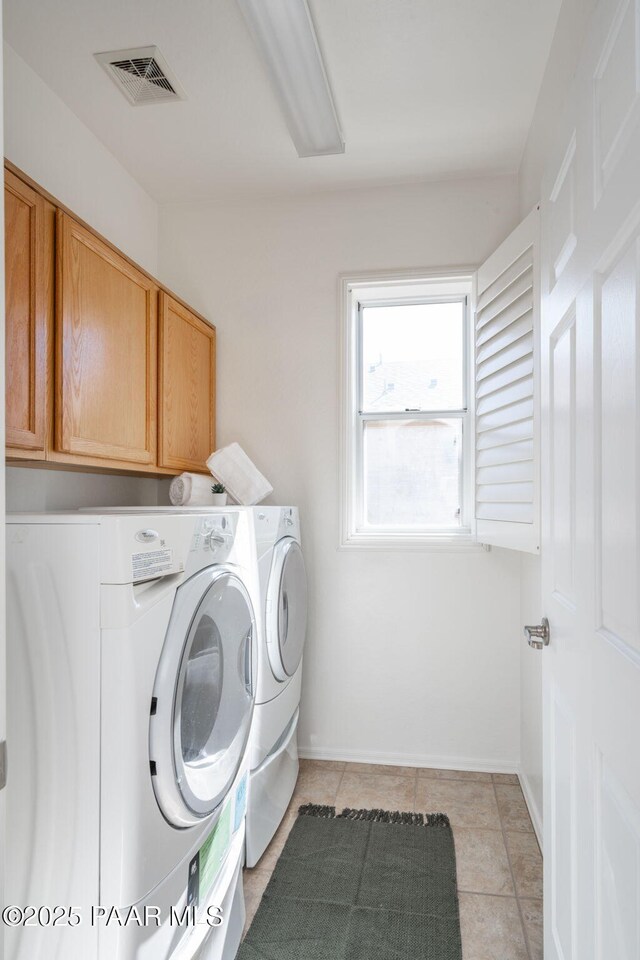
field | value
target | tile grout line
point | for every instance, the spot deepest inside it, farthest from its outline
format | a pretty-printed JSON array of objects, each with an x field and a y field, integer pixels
[
  {"x": 337, "y": 794},
  {"x": 499, "y": 896},
  {"x": 513, "y": 877}
]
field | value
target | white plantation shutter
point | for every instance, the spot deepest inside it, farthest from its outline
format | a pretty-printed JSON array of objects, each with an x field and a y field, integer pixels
[{"x": 507, "y": 494}]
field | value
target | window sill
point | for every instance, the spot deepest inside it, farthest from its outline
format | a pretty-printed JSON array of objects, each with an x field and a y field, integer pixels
[{"x": 428, "y": 543}]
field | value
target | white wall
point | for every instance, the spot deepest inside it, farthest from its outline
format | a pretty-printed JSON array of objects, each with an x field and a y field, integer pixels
[
  {"x": 412, "y": 657},
  {"x": 48, "y": 142},
  {"x": 34, "y": 489}
]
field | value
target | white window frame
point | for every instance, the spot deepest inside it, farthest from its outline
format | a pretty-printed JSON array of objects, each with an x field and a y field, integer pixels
[{"x": 360, "y": 291}]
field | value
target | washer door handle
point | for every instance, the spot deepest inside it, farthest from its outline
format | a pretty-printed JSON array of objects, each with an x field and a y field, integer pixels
[
  {"x": 285, "y": 616},
  {"x": 248, "y": 663}
]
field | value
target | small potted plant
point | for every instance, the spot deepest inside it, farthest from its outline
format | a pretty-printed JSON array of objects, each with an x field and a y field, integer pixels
[{"x": 218, "y": 495}]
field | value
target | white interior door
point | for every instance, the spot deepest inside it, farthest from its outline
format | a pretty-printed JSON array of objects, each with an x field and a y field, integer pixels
[
  {"x": 3, "y": 698},
  {"x": 590, "y": 359}
]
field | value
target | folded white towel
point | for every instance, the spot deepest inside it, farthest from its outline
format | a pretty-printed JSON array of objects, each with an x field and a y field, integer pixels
[
  {"x": 191, "y": 490},
  {"x": 242, "y": 479}
]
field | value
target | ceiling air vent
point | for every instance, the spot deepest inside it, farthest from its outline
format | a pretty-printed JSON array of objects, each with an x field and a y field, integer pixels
[{"x": 142, "y": 75}]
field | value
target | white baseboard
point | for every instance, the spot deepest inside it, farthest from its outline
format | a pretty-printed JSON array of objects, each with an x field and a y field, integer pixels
[
  {"x": 534, "y": 812},
  {"x": 409, "y": 760}
]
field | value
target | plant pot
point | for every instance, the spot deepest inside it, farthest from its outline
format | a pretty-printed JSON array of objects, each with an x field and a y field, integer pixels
[{"x": 218, "y": 499}]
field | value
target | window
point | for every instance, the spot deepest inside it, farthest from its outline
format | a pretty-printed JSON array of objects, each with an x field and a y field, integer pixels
[{"x": 407, "y": 433}]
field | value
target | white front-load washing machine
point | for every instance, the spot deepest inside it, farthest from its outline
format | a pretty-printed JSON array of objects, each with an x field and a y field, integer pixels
[
  {"x": 283, "y": 613},
  {"x": 132, "y": 664}
]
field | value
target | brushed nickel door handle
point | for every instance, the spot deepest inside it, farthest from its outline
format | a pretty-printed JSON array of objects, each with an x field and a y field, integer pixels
[{"x": 538, "y": 636}]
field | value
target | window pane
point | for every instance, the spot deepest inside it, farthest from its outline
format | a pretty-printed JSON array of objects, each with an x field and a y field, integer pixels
[
  {"x": 412, "y": 472},
  {"x": 412, "y": 357}
]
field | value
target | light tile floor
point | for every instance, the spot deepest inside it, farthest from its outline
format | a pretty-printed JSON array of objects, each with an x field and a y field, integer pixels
[{"x": 498, "y": 858}]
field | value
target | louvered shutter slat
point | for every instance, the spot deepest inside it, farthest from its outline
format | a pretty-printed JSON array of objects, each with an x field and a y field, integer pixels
[
  {"x": 505, "y": 513},
  {"x": 509, "y": 453},
  {"x": 505, "y": 301},
  {"x": 511, "y": 433},
  {"x": 520, "y": 349},
  {"x": 506, "y": 492},
  {"x": 506, "y": 337},
  {"x": 505, "y": 378},
  {"x": 507, "y": 277},
  {"x": 505, "y": 415},
  {"x": 506, "y": 472},
  {"x": 515, "y": 310},
  {"x": 519, "y": 390}
]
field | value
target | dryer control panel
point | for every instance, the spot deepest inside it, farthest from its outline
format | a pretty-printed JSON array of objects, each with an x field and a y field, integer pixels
[{"x": 274, "y": 523}]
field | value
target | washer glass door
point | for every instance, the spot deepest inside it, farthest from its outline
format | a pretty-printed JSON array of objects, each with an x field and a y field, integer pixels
[
  {"x": 198, "y": 744},
  {"x": 286, "y": 609}
]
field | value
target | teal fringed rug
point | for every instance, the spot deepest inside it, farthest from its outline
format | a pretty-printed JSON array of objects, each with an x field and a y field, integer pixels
[{"x": 364, "y": 885}]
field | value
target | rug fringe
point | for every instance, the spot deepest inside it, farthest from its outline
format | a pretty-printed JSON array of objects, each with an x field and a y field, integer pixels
[
  {"x": 316, "y": 810},
  {"x": 375, "y": 815},
  {"x": 396, "y": 816},
  {"x": 437, "y": 820}
]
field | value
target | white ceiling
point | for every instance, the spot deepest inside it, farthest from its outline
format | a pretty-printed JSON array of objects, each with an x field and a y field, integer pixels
[{"x": 425, "y": 89}]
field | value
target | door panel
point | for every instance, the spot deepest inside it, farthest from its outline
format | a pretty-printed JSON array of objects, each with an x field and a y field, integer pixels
[
  {"x": 617, "y": 867},
  {"x": 563, "y": 457},
  {"x": 616, "y": 417},
  {"x": 616, "y": 93},
  {"x": 561, "y": 237},
  {"x": 106, "y": 351},
  {"x": 186, "y": 388},
  {"x": 26, "y": 306},
  {"x": 591, "y": 531},
  {"x": 561, "y": 852}
]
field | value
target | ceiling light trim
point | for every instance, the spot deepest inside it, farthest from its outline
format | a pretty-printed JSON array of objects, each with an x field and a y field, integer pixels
[{"x": 285, "y": 36}]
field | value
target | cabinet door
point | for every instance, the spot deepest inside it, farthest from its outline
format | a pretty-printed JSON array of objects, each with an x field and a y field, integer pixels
[
  {"x": 26, "y": 304},
  {"x": 187, "y": 387},
  {"x": 106, "y": 351}
]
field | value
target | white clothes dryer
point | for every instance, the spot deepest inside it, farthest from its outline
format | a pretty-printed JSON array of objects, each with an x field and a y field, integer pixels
[
  {"x": 133, "y": 659},
  {"x": 283, "y": 609}
]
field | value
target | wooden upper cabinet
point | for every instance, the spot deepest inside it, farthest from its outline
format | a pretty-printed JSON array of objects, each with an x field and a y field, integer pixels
[
  {"x": 106, "y": 351},
  {"x": 28, "y": 308},
  {"x": 103, "y": 370},
  {"x": 186, "y": 388}
]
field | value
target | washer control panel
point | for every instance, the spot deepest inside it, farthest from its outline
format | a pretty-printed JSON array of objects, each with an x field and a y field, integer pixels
[
  {"x": 149, "y": 546},
  {"x": 213, "y": 534}
]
